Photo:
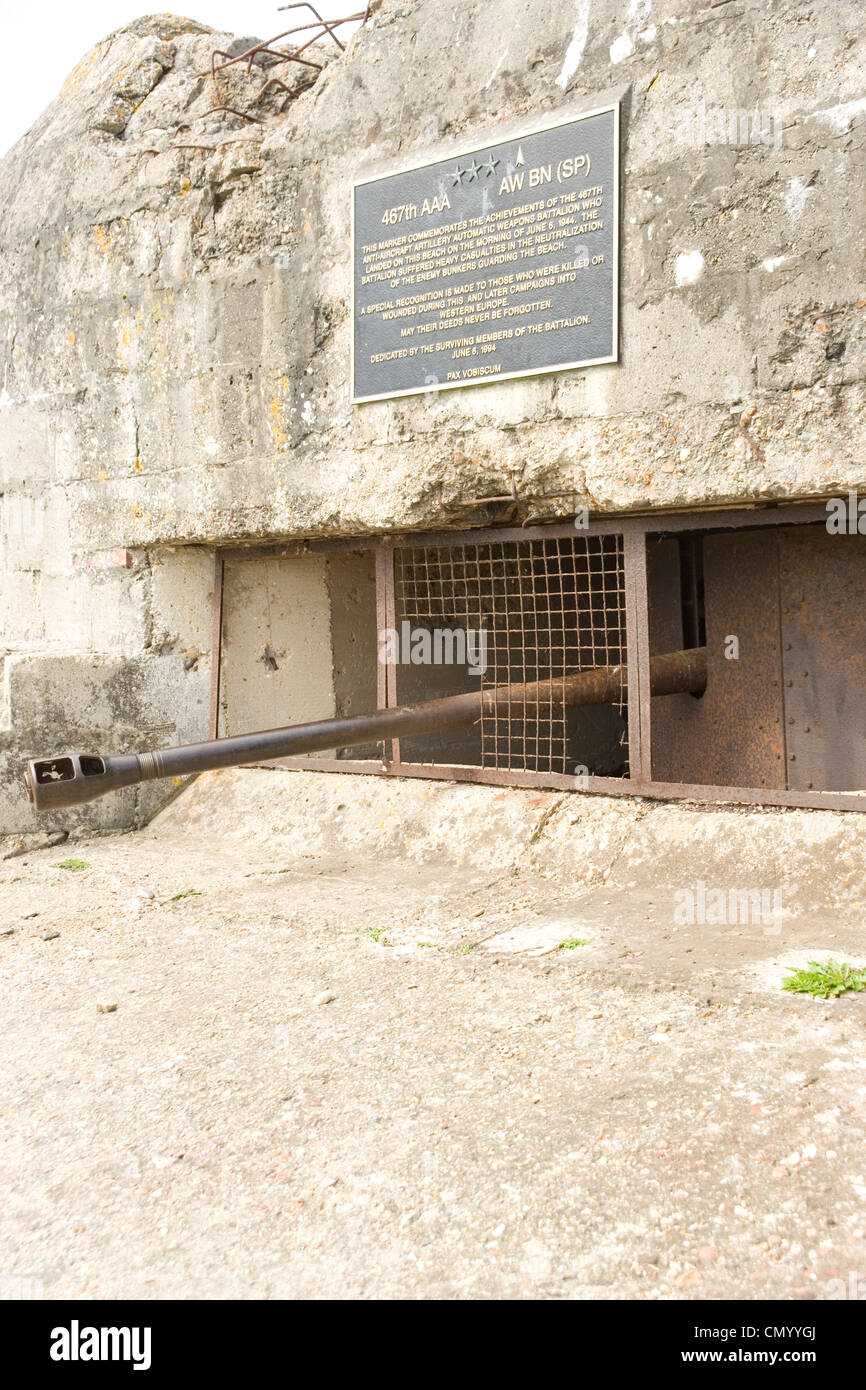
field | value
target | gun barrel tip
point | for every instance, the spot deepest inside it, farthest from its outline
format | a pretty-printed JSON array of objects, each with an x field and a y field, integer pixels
[{"x": 41, "y": 775}]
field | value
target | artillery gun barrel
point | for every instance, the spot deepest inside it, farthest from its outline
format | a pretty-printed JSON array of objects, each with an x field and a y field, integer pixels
[{"x": 69, "y": 780}]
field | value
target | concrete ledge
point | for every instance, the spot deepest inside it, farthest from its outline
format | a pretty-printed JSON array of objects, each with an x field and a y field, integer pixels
[{"x": 816, "y": 859}]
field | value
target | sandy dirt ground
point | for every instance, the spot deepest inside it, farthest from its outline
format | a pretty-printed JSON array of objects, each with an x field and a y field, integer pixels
[{"x": 360, "y": 1077}]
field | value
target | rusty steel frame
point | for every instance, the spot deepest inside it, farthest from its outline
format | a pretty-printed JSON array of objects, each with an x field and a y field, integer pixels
[{"x": 634, "y": 528}]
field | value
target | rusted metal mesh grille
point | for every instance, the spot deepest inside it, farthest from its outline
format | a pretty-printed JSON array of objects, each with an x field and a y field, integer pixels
[{"x": 549, "y": 608}]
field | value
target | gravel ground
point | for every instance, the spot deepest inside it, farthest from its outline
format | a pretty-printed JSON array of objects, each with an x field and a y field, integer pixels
[{"x": 381, "y": 1078}]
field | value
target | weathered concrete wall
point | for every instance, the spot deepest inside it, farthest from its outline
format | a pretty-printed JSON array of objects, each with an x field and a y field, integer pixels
[
  {"x": 130, "y": 670},
  {"x": 176, "y": 324}
]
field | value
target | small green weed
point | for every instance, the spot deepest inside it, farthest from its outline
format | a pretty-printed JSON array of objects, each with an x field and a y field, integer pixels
[
  {"x": 571, "y": 944},
  {"x": 376, "y": 934},
  {"x": 74, "y": 866},
  {"x": 187, "y": 893},
  {"x": 825, "y": 979}
]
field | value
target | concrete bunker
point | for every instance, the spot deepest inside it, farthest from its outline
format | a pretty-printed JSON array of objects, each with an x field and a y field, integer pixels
[{"x": 177, "y": 305}]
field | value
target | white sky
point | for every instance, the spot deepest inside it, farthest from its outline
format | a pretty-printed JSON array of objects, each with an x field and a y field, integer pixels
[{"x": 40, "y": 46}]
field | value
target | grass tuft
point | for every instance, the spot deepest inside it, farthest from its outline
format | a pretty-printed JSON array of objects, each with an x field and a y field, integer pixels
[
  {"x": 825, "y": 979},
  {"x": 571, "y": 944},
  {"x": 74, "y": 866},
  {"x": 187, "y": 893},
  {"x": 376, "y": 934}
]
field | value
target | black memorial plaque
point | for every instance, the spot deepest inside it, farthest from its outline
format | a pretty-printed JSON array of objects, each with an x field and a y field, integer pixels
[{"x": 496, "y": 264}]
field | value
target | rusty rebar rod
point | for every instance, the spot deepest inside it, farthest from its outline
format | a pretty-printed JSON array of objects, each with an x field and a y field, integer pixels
[
  {"x": 330, "y": 25},
  {"x": 271, "y": 82},
  {"x": 55, "y": 783},
  {"x": 321, "y": 23},
  {"x": 321, "y": 27},
  {"x": 263, "y": 47},
  {"x": 230, "y": 111}
]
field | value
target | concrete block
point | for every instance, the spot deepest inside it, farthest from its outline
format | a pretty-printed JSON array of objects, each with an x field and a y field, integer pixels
[
  {"x": 21, "y": 613},
  {"x": 181, "y": 601}
]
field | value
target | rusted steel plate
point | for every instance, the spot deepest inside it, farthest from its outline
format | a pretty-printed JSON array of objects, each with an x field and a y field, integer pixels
[
  {"x": 733, "y": 735},
  {"x": 216, "y": 647},
  {"x": 823, "y": 590},
  {"x": 637, "y": 628}
]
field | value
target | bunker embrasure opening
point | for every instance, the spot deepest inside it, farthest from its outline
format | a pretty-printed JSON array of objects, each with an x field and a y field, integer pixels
[{"x": 766, "y": 603}]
